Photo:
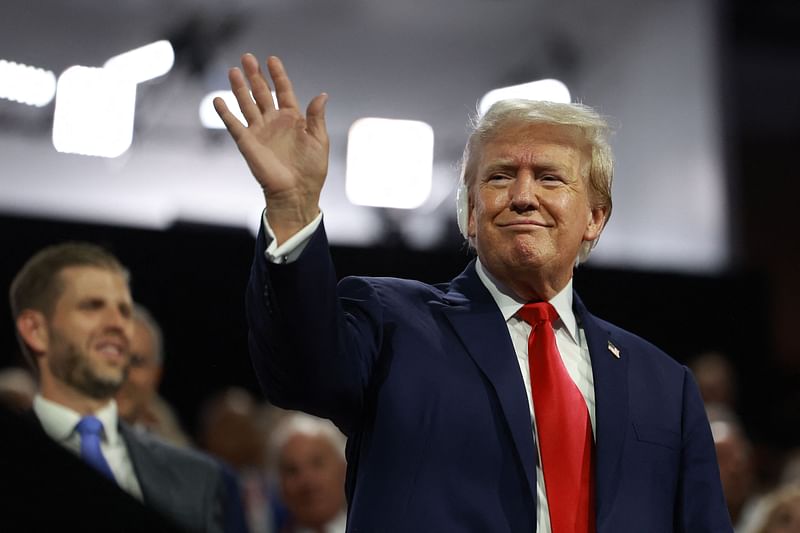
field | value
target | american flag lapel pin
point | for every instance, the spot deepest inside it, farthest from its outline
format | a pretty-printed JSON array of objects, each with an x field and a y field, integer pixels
[{"x": 613, "y": 349}]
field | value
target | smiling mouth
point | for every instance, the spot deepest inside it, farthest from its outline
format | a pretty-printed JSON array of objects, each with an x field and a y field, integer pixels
[
  {"x": 111, "y": 350},
  {"x": 524, "y": 224}
]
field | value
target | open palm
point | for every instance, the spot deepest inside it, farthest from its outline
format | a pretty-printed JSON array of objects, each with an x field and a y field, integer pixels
[{"x": 286, "y": 151}]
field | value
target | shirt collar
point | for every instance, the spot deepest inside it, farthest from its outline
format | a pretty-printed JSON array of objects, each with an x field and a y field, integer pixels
[
  {"x": 509, "y": 303},
  {"x": 59, "y": 421}
]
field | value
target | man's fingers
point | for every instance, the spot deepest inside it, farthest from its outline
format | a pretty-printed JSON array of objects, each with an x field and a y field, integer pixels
[
  {"x": 283, "y": 85},
  {"x": 235, "y": 128},
  {"x": 258, "y": 84},
  {"x": 315, "y": 117},
  {"x": 242, "y": 93}
]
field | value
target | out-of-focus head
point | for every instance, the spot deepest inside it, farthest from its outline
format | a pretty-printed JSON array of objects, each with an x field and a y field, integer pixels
[
  {"x": 311, "y": 468},
  {"x": 140, "y": 387},
  {"x": 230, "y": 429},
  {"x": 781, "y": 511},
  {"x": 735, "y": 457},
  {"x": 17, "y": 389},
  {"x": 790, "y": 472},
  {"x": 73, "y": 311},
  {"x": 510, "y": 117},
  {"x": 715, "y": 377}
]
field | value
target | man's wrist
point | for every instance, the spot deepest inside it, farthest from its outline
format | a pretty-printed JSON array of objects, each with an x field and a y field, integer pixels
[{"x": 289, "y": 250}]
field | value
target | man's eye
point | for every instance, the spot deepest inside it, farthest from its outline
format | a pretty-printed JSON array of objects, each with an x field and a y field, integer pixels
[{"x": 497, "y": 177}]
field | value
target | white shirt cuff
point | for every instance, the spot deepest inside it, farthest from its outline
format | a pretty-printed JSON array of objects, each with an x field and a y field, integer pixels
[{"x": 290, "y": 250}]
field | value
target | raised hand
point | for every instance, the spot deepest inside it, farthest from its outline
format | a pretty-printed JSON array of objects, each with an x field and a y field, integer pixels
[{"x": 286, "y": 151}]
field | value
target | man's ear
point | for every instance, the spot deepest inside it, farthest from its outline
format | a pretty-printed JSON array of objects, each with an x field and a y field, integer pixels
[
  {"x": 470, "y": 217},
  {"x": 32, "y": 328},
  {"x": 596, "y": 222}
]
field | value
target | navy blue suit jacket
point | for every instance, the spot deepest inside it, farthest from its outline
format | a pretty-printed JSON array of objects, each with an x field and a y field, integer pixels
[{"x": 424, "y": 382}]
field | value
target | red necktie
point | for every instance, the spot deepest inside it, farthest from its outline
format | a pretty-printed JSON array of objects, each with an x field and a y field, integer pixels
[{"x": 563, "y": 427}]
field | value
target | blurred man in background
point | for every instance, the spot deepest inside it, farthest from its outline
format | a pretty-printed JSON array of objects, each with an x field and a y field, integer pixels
[
  {"x": 138, "y": 400},
  {"x": 73, "y": 312},
  {"x": 17, "y": 389},
  {"x": 311, "y": 469},
  {"x": 235, "y": 428},
  {"x": 736, "y": 459}
]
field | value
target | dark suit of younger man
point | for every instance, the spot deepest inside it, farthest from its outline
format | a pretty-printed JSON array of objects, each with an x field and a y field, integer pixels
[
  {"x": 184, "y": 486},
  {"x": 47, "y": 488},
  {"x": 424, "y": 382}
]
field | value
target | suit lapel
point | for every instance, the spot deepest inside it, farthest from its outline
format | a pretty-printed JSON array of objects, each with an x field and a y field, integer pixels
[
  {"x": 611, "y": 403},
  {"x": 477, "y": 321},
  {"x": 154, "y": 480}
]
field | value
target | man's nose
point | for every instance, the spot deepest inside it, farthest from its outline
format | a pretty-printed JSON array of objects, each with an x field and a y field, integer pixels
[
  {"x": 524, "y": 193},
  {"x": 118, "y": 320}
]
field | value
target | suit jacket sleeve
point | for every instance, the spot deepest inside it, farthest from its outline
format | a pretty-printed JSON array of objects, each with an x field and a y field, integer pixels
[{"x": 312, "y": 345}]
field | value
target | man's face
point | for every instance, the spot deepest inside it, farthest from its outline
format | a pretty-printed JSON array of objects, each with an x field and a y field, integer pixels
[
  {"x": 144, "y": 373},
  {"x": 312, "y": 476},
  {"x": 530, "y": 207},
  {"x": 89, "y": 332}
]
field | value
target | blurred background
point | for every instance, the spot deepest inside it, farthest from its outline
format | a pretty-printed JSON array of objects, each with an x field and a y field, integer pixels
[{"x": 701, "y": 254}]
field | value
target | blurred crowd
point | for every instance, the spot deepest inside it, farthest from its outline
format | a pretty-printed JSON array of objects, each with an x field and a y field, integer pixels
[
  {"x": 758, "y": 501},
  {"x": 288, "y": 468}
]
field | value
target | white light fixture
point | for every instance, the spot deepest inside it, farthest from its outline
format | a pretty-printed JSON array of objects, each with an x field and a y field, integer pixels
[
  {"x": 26, "y": 85},
  {"x": 143, "y": 63},
  {"x": 549, "y": 90},
  {"x": 94, "y": 112},
  {"x": 389, "y": 163},
  {"x": 208, "y": 115}
]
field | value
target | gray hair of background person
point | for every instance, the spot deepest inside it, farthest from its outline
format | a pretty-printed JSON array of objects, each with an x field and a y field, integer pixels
[
  {"x": 510, "y": 112},
  {"x": 38, "y": 285},
  {"x": 141, "y": 314},
  {"x": 301, "y": 423}
]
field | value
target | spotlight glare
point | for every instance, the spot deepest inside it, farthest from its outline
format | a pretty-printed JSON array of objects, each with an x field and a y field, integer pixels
[
  {"x": 94, "y": 112},
  {"x": 143, "y": 63},
  {"x": 26, "y": 85},
  {"x": 389, "y": 163},
  {"x": 208, "y": 115},
  {"x": 548, "y": 90}
]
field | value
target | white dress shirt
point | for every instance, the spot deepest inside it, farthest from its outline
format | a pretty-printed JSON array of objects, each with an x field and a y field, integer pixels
[
  {"x": 570, "y": 339},
  {"x": 571, "y": 342},
  {"x": 59, "y": 423}
]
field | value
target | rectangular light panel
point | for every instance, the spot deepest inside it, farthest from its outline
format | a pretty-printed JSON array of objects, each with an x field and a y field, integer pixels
[
  {"x": 94, "y": 112},
  {"x": 389, "y": 163}
]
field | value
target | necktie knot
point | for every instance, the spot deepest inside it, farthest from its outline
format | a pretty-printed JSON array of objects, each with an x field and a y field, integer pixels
[
  {"x": 537, "y": 312},
  {"x": 89, "y": 426}
]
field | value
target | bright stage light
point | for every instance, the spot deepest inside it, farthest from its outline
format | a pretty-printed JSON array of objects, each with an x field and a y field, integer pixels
[
  {"x": 143, "y": 63},
  {"x": 26, "y": 85},
  {"x": 94, "y": 112},
  {"x": 208, "y": 115},
  {"x": 389, "y": 163},
  {"x": 549, "y": 90}
]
